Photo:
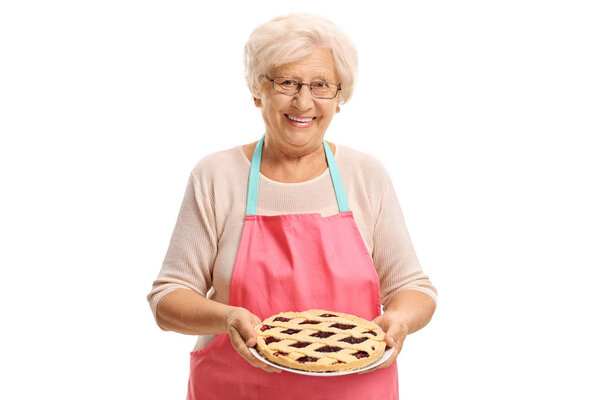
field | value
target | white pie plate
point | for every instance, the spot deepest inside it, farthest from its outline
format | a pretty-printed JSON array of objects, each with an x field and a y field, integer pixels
[{"x": 386, "y": 354}]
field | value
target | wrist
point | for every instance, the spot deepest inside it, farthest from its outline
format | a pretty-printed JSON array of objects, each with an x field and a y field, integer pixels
[{"x": 228, "y": 318}]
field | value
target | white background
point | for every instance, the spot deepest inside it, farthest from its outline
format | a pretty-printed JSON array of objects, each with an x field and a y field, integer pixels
[{"x": 485, "y": 113}]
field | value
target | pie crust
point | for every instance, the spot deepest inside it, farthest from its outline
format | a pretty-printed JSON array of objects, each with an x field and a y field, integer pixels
[{"x": 320, "y": 341}]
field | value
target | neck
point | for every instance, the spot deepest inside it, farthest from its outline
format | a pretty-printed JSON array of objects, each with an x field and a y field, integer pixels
[
  {"x": 292, "y": 165},
  {"x": 285, "y": 166}
]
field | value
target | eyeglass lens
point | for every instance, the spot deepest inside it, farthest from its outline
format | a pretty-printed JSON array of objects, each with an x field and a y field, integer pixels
[{"x": 292, "y": 86}]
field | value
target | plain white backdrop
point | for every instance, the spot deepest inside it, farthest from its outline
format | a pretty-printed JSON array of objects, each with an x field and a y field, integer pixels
[{"x": 485, "y": 113}]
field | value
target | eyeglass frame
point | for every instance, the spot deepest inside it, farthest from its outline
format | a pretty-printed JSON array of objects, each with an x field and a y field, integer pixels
[{"x": 300, "y": 84}]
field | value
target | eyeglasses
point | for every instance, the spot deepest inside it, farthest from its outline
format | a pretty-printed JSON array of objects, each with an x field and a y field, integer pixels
[{"x": 292, "y": 86}]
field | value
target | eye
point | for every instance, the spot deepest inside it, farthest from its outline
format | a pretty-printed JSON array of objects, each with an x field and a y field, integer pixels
[
  {"x": 319, "y": 85},
  {"x": 289, "y": 82}
]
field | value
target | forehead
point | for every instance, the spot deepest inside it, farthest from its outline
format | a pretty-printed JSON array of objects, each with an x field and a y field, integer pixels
[{"x": 318, "y": 64}]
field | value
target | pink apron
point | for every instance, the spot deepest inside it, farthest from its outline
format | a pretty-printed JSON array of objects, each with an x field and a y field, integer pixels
[{"x": 294, "y": 262}]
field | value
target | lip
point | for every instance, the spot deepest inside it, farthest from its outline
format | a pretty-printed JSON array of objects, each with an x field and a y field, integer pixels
[
  {"x": 301, "y": 116},
  {"x": 300, "y": 124}
]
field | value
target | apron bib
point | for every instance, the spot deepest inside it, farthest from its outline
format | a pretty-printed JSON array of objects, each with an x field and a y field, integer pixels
[{"x": 294, "y": 262}]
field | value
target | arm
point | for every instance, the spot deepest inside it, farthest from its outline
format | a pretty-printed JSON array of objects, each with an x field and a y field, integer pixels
[
  {"x": 407, "y": 312},
  {"x": 408, "y": 295},
  {"x": 190, "y": 313},
  {"x": 411, "y": 309},
  {"x": 193, "y": 247},
  {"x": 178, "y": 294}
]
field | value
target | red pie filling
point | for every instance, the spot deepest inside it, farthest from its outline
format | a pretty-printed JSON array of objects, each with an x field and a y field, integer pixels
[
  {"x": 361, "y": 354},
  {"x": 322, "y": 335},
  {"x": 371, "y": 332},
  {"x": 291, "y": 331},
  {"x": 310, "y": 322},
  {"x": 328, "y": 349},
  {"x": 300, "y": 345},
  {"x": 265, "y": 327},
  {"x": 278, "y": 353},
  {"x": 353, "y": 340},
  {"x": 271, "y": 339},
  {"x": 281, "y": 319},
  {"x": 327, "y": 315},
  {"x": 306, "y": 359},
  {"x": 342, "y": 326}
]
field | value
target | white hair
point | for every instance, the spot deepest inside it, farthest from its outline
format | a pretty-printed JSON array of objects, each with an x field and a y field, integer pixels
[{"x": 289, "y": 38}]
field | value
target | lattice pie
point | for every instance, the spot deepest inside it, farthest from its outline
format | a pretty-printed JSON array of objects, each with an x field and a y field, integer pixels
[{"x": 320, "y": 341}]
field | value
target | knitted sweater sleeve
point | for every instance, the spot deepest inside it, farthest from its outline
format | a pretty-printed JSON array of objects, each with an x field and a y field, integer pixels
[
  {"x": 193, "y": 246},
  {"x": 393, "y": 252}
]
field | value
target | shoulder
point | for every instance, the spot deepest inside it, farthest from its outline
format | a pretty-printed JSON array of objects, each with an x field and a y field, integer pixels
[
  {"x": 220, "y": 164},
  {"x": 358, "y": 165}
]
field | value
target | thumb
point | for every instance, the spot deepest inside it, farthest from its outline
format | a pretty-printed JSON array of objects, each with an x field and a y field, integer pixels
[
  {"x": 380, "y": 321},
  {"x": 391, "y": 333},
  {"x": 389, "y": 340},
  {"x": 248, "y": 333},
  {"x": 394, "y": 337},
  {"x": 377, "y": 320},
  {"x": 249, "y": 337}
]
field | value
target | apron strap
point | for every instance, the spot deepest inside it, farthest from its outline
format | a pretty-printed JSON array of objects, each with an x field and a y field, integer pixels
[
  {"x": 338, "y": 186},
  {"x": 252, "y": 198}
]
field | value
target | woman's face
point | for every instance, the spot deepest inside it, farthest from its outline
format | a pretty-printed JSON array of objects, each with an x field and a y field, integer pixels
[{"x": 278, "y": 109}]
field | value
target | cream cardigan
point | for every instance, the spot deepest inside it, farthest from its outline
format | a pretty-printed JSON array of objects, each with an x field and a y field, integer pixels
[{"x": 205, "y": 240}]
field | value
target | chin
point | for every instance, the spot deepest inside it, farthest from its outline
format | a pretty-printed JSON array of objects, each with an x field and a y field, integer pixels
[{"x": 302, "y": 138}]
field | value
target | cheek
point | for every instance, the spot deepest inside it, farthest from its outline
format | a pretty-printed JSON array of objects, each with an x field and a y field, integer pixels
[
  {"x": 273, "y": 109},
  {"x": 268, "y": 109},
  {"x": 329, "y": 112}
]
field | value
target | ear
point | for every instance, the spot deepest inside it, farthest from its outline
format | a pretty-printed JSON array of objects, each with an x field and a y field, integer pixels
[{"x": 257, "y": 102}]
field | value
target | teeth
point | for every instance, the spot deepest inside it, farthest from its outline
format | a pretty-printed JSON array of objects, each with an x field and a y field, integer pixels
[{"x": 299, "y": 119}]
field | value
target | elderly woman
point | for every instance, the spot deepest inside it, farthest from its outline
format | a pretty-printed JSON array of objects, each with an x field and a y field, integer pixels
[{"x": 289, "y": 223}]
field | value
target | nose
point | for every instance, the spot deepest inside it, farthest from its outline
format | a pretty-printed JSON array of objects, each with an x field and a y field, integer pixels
[{"x": 303, "y": 99}]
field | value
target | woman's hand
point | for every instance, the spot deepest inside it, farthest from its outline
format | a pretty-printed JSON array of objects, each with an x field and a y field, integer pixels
[
  {"x": 240, "y": 327},
  {"x": 396, "y": 328}
]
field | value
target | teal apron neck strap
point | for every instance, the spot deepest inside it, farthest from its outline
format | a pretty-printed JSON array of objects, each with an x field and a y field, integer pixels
[
  {"x": 338, "y": 186},
  {"x": 252, "y": 198}
]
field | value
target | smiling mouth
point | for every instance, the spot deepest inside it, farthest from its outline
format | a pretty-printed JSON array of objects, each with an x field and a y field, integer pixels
[
  {"x": 299, "y": 122},
  {"x": 299, "y": 119}
]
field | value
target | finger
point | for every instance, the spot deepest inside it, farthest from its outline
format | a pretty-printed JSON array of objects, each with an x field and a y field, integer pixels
[
  {"x": 395, "y": 335},
  {"x": 390, "y": 338},
  {"x": 239, "y": 344},
  {"x": 250, "y": 329},
  {"x": 248, "y": 333},
  {"x": 377, "y": 320},
  {"x": 389, "y": 332}
]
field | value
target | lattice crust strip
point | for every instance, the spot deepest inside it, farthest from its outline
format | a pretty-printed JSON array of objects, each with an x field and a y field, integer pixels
[{"x": 320, "y": 340}]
